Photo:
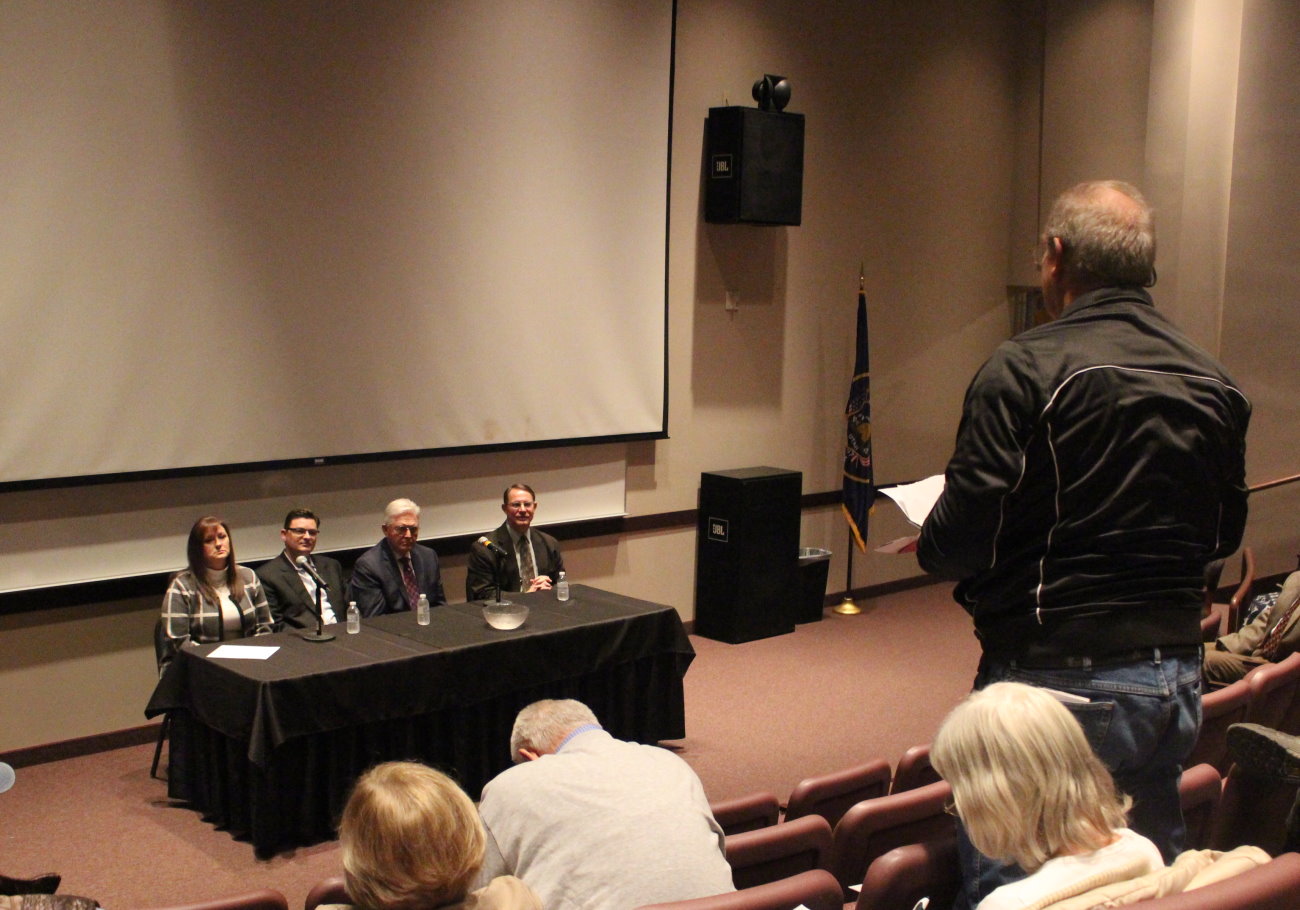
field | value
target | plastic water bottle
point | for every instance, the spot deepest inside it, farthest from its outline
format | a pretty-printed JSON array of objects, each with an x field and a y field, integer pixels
[
  {"x": 422, "y": 610},
  {"x": 562, "y": 588},
  {"x": 354, "y": 618}
]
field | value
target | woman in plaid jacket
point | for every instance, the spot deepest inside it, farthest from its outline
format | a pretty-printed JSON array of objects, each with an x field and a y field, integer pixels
[{"x": 214, "y": 599}]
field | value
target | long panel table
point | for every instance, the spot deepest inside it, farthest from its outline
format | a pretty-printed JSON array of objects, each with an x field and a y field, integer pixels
[{"x": 269, "y": 748}]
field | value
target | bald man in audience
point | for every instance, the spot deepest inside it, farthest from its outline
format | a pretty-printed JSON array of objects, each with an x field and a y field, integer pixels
[
  {"x": 590, "y": 822},
  {"x": 391, "y": 575}
]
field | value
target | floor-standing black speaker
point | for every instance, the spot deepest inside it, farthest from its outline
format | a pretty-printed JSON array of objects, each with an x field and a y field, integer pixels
[{"x": 747, "y": 553}]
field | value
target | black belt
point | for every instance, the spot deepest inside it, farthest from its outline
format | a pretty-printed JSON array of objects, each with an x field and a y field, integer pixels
[{"x": 1076, "y": 661}]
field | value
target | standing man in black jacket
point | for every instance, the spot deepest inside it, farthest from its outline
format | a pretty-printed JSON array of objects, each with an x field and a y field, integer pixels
[{"x": 1099, "y": 465}]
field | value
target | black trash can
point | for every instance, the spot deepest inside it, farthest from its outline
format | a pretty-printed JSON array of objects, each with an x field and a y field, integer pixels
[{"x": 814, "y": 567}]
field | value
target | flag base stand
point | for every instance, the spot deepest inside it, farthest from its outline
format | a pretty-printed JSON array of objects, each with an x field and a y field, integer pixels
[{"x": 847, "y": 607}]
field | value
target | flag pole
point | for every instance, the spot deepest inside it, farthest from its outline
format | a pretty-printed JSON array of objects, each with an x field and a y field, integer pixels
[
  {"x": 857, "y": 465},
  {"x": 848, "y": 606}
]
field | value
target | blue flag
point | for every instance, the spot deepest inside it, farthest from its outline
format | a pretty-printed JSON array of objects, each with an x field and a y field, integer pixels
[{"x": 859, "y": 478}]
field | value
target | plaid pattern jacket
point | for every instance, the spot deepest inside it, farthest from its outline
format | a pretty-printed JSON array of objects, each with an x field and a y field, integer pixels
[{"x": 188, "y": 616}]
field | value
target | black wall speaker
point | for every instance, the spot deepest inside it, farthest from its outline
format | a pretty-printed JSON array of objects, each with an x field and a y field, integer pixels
[
  {"x": 755, "y": 166},
  {"x": 747, "y": 553}
]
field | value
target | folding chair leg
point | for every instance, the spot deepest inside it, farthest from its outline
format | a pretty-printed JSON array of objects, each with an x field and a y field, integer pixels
[{"x": 163, "y": 730}]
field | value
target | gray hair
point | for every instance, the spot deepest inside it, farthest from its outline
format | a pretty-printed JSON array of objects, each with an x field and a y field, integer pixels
[
  {"x": 399, "y": 507},
  {"x": 542, "y": 726},
  {"x": 1105, "y": 241}
]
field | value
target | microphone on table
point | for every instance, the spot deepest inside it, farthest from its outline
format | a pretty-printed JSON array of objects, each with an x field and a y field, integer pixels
[
  {"x": 305, "y": 564},
  {"x": 492, "y": 546},
  {"x": 320, "y": 634}
]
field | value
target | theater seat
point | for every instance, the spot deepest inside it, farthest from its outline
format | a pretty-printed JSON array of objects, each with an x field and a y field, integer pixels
[
  {"x": 1252, "y": 810},
  {"x": 1275, "y": 694},
  {"x": 816, "y": 890},
  {"x": 1198, "y": 793},
  {"x": 262, "y": 899},
  {"x": 1241, "y": 596},
  {"x": 904, "y": 875},
  {"x": 779, "y": 851},
  {"x": 745, "y": 813},
  {"x": 1220, "y": 709},
  {"x": 874, "y": 827},
  {"x": 332, "y": 890},
  {"x": 914, "y": 770},
  {"x": 831, "y": 795}
]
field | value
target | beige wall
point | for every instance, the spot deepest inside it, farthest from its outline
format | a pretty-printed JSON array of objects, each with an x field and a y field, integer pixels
[{"x": 922, "y": 165}]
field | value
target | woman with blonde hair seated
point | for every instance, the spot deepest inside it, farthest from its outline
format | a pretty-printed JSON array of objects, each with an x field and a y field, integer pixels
[
  {"x": 412, "y": 840},
  {"x": 1029, "y": 789}
]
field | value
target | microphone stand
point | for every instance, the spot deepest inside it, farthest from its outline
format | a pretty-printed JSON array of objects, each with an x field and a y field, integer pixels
[
  {"x": 497, "y": 573},
  {"x": 320, "y": 634}
]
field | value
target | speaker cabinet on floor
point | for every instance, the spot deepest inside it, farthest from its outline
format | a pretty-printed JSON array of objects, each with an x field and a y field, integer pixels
[
  {"x": 755, "y": 167},
  {"x": 747, "y": 553}
]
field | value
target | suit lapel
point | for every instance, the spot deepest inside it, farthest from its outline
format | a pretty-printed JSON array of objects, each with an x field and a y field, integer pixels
[{"x": 294, "y": 580}]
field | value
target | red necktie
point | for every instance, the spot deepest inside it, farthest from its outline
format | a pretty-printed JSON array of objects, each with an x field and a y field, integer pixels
[{"x": 408, "y": 582}]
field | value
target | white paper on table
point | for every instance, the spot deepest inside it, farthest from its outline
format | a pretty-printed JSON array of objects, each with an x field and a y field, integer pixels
[
  {"x": 916, "y": 499},
  {"x": 244, "y": 652}
]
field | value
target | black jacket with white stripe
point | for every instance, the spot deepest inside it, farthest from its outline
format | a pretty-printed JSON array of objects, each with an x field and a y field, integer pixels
[{"x": 1099, "y": 465}]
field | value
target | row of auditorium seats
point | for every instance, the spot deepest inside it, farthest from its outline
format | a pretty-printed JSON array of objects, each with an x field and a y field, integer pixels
[
  {"x": 901, "y": 846},
  {"x": 1272, "y": 886},
  {"x": 1269, "y": 695},
  {"x": 873, "y": 828},
  {"x": 896, "y": 880},
  {"x": 828, "y": 795}
]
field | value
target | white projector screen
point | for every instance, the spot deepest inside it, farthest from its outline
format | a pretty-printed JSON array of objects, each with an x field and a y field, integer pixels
[{"x": 265, "y": 233}]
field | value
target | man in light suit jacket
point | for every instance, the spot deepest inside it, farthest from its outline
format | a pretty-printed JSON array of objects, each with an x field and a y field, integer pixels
[
  {"x": 1235, "y": 655},
  {"x": 390, "y": 576},
  {"x": 517, "y": 542},
  {"x": 291, "y": 591}
]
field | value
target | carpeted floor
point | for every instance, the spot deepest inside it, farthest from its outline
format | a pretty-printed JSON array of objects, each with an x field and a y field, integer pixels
[{"x": 760, "y": 716}]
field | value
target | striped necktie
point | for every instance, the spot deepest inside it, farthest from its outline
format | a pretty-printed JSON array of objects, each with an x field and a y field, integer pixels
[{"x": 527, "y": 567}]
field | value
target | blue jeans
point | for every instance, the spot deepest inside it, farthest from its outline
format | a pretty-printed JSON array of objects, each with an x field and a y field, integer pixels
[{"x": 1142, "y": 719}]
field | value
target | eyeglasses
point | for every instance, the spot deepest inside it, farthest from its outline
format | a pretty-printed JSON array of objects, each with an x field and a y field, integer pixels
[
  {"x": 303, "y": 532},
  {"x": 527, "y": 506},
  {"x": 404, "y": 530}
]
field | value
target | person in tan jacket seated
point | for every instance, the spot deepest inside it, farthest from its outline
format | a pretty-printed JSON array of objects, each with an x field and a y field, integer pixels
[{"x": 1271, "y": 636}]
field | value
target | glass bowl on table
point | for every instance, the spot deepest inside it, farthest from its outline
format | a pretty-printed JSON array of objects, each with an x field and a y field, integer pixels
[{"x": 505, "y": 615}]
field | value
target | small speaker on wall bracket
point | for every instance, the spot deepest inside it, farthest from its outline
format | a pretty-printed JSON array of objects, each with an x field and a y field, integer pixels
[{"x": 755, "y": 166}]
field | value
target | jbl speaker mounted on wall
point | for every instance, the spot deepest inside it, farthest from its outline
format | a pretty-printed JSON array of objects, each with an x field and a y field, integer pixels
[{"x": 755, "y": 166}]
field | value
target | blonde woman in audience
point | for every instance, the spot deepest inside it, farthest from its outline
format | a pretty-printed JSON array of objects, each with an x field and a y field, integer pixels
[
  {"x": 213, "y": 599},
  {"x": 412, "y": 840},
  {"x": 1029, "y": 790}
]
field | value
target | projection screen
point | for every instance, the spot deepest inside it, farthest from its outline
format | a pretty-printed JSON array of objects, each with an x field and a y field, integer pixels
[{"x": 252, "y": 233}]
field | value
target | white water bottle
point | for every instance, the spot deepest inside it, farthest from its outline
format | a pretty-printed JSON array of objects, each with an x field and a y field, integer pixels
[
  {"x": 354, "y": 618},
  {"x": 422, "y": 610},
  {"x": 562, "y": 588}
]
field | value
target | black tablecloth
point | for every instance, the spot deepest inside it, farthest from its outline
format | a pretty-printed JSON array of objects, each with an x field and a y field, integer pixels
[{"x": 269, "y": 748}]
